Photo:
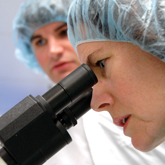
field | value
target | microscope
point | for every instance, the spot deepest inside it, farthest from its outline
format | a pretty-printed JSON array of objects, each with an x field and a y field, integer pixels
[{"x": 36, "y": 128}]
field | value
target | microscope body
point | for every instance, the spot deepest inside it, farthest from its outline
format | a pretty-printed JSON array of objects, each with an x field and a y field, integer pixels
[
  {"x": 36, "y": 128},
  {"x": 32, "y": 135}
]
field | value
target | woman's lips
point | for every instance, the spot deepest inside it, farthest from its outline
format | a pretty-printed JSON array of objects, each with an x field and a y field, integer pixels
[
  {"x": 61, "y": 66},
  {"x": 122, "y": 121}
]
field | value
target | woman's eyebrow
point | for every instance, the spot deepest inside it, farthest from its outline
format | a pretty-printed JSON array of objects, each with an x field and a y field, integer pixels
[
  {"x": 88, "y": 62},
  {"x": 58, "y": 28},
  {"x": 34, "y": 37}
]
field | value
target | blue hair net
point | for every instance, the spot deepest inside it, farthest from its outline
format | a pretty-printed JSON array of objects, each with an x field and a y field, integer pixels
[
  {"x": 32, "y": 15},
  {"x": 141, "y": 22}
]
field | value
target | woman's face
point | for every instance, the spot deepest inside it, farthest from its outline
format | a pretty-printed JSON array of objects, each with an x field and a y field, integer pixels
[
  {"x": 53, "y": 51},
  {"x": 131, "y": 87}
]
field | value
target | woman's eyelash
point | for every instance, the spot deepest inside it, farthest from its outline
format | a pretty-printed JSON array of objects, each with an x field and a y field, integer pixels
[
  {"x": 40, "y": 42},
  {"x": 64, "y": 32},
  {"x": 101, "y": 63}
]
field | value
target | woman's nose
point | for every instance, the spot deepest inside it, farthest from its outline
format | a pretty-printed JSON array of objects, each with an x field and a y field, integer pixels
[
  {"x": 101, "y": 98},
  {"x": 56, "y": 49}
]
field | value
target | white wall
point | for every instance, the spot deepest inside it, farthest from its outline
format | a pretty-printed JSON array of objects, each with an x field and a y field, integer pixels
[{"x": 16, "y": 81}]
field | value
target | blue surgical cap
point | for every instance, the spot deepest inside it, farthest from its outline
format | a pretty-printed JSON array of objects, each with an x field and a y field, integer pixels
[
  {"x": 32, "y": 15},
  {"x": 141, "y": 22}
]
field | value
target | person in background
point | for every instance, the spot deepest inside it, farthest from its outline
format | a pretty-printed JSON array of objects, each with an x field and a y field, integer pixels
[
  {"x": 40, "y": 37},
  {"x": 123, "y": 42}
]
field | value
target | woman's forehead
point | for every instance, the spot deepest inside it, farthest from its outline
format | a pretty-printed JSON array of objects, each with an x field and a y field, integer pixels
[{"x": 90, "y": 47}]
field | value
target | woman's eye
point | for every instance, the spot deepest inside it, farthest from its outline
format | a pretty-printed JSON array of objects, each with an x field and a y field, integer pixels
[
  {"x": 101, "y": 63},
  {"x": 41, "y": 42},
  {"x": 64, "y": 33}
]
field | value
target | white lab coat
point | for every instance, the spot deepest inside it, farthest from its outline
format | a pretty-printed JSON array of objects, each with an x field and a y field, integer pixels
[{"x": 97, "y": 141}]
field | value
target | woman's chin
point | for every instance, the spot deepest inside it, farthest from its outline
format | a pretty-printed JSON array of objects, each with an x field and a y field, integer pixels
[{"x": 143, "y": 145}]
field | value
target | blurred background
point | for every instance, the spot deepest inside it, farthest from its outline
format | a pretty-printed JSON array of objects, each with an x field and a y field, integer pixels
[{"x": 16, "y": 80}]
